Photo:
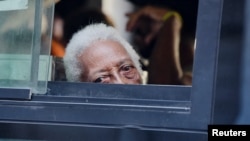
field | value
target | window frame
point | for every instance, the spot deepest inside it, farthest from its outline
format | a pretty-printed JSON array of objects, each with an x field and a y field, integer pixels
[{"x": 131, "y": 105}]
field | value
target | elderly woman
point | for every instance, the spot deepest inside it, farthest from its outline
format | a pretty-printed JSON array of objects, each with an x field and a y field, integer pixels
[{"x": 97, "y": 53}]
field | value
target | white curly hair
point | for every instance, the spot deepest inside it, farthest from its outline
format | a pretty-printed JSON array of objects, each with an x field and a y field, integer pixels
[{"x": 83, "y": 39}]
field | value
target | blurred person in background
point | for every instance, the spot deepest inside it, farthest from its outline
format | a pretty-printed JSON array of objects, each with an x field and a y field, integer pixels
[{"x": 164, "y": 35}]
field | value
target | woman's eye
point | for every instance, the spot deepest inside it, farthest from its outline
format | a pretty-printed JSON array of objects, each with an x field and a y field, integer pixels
[
  {"x": 127, "y": 68},
  {"x": 98, "y": 80}
]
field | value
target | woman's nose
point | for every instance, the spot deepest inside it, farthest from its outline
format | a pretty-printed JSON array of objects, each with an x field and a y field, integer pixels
[{"x": 118, "y": 79}]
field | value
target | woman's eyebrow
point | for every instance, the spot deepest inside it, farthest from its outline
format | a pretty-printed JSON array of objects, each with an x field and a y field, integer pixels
[
  {"x": 125, "y": 60},
  {"x": 118, "y": 64}
]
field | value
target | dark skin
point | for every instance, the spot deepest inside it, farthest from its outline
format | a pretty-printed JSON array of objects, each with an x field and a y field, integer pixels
[{"x": 168, "y": 50}]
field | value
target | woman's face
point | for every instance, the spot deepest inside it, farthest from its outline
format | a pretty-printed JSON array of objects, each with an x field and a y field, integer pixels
[{"x": 108, "y": 62}]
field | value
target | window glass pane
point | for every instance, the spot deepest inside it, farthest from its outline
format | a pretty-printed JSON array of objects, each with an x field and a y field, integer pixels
[{"x": 25, "y": 30}]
